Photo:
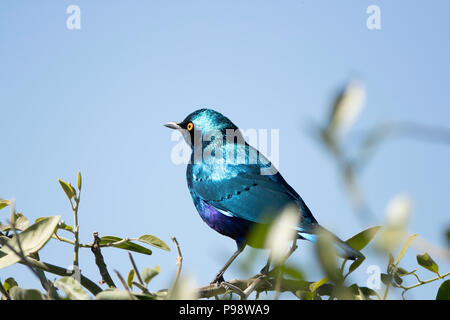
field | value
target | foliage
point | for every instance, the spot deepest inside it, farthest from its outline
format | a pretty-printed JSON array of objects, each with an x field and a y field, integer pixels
[{"x": 21, "y": 242}]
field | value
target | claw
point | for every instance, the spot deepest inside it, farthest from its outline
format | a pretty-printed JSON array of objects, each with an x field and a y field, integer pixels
[{"x": 218, "y": 279}]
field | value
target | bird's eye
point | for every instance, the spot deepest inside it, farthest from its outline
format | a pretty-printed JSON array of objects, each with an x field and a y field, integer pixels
[{"x": 190, "y": 126}]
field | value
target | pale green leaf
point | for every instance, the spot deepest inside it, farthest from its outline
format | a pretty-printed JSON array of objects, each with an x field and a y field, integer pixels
[
  {"x": 113, "y": 294},
  {"x": 68, "y": 189},
  {"x": 148, "y": 273},
  {"x": 72, "y": 288},
  {"x": 130, "y": 246},
  {"x": 31, "y": 239},
  {"x": 17, "y": 293},
  {"x": 405, "y": 248},
  {"x": 154, "y": 241}
]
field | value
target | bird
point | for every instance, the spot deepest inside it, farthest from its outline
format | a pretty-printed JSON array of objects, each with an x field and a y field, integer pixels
[{"x": 234, "y": 197}]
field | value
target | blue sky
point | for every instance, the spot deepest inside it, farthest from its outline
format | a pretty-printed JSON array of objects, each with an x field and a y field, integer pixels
[{"x": 94, "y": 100}]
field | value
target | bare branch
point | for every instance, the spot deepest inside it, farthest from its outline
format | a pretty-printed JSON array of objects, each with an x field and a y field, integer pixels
[{"x": 100, "y": 262}]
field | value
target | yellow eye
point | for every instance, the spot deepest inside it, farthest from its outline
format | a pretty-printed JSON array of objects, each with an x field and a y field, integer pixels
[{"x": 190, "y": 126}]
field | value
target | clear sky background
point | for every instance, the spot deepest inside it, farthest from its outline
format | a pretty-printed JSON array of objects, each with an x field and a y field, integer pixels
[{"x": 94, "y": 100}]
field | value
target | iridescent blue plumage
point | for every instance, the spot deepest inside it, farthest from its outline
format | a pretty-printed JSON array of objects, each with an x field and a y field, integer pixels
[{"x": 234, "y": 187}]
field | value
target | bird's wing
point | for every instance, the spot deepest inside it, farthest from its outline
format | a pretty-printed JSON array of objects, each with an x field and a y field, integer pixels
[{"x": 242, "y": 191}]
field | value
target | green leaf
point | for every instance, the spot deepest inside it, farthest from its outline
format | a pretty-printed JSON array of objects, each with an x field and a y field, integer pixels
[
  {"x": 17, "y": 293},
  {"x": 405, "y": 248},
  {"x": 154, "y": 241},
  {"x": 292, "y": 271},
  {"x": 130, "y": 246},
  {"x": 386, "y": 278},
  {"x": 4, "y": 203},
  {"x": 444, "y": 291},
  {"x": 148, "y": 273},
  {"x": 355, "y": 265},
  {"x": 403, "y": 272},
  {"x": 397, "y": 279},
  {"x": 362, "y": 239},
  {"x": 130, "y": 278},
  {"x": 364, "y": 291},
  {"x": 31, "y": 239},
  {"x": 72, "y": 288},
  {"x": 427, "y": 262},
  {"x": 64, "y": 226},
  {"x": 21, "y": 223},
  {"x": 79, "y": 181},
  {"x": 315, "y": 285},
  {"x": 112, "y": 294},
  {"x": 326, "y": 254},
  {"x": 9, "y": 283},
  {"x": 68, "y": 189}
]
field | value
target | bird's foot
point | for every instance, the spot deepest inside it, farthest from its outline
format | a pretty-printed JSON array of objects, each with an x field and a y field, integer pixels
[
  {"x": 218, "y": 279},
  {"x": 264, "y": 271}
]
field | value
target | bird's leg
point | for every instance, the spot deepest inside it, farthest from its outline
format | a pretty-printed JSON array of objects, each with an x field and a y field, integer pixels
[
  {"x": 265, "y": 270},
  {"x": 219, "y": 277}
]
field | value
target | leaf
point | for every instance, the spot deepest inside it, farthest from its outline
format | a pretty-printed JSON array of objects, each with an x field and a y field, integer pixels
[
  {"x": 17, "y": 293},
  {"x": 362, "y": 239},
  {"x": 154, "y": 241},
  {"x": 347, "y": 106},
  {"x": 326, "y": 254},
  {"x": 64, "y": 226},
  {"x": 79, "y": 181},
  {"x": 31, "y": 239},
  {"x": 112, "y": 294},
  {"x": 148, "y": 274},
  {"x": 9, "y": 283},
  {"x": 130, "y": 246},
  {"x": 405, "y": 248},
  {"x": 21, "y": 223},
  {"x": 402, "y": 272},
  {"x": 364, "y": 291},
  {"x": 72, "y": 288},
  {"x": 4, "y": 203},
  {"x": 130, "y": 278},
  {"x": 444, "y": 291},
  {"x": 427, "y": 262},
  {"x": 292, "y": 271},
  {"x": 315, "y": 285},
  {"x": 355, "y": 265},
  {"x": 68, "y": 189},
  {"x": 386, "y": 278},
  {"x": 397, "y": 279}
]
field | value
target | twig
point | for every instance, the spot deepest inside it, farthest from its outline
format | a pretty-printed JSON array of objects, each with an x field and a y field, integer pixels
[
  {"x": 235, "y": 289},
  {"x": 265, "y": 284},
  {"x": 40, "y": 275},
  {"x": 85, "y": 282},
  {"x": 422, "y": 282},
  {"x": 179, "y": 263},
  {"x": 124, "y": 285},
  {"x": 100, "y": 262},
  {"x": 76, "y": 229},
  {"x": 136, "y": 271}
]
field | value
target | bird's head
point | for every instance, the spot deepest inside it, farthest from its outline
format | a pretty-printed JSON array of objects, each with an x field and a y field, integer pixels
[{"x": 201, "y": 123}]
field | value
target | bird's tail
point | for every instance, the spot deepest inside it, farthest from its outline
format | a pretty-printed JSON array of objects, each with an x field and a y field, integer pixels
[{"x": 342, "y": 249}]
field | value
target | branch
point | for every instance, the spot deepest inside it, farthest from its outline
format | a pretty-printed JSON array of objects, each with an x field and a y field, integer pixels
[
  {"x": 85, "y": 282},
  {"x": 258, "y": 284},
  {"x": 179, "y": 263},
  {"x": 100, "y": 262}
]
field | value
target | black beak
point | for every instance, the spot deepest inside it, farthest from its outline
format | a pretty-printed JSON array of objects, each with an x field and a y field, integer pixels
[{"x": 172, "y": 125}]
